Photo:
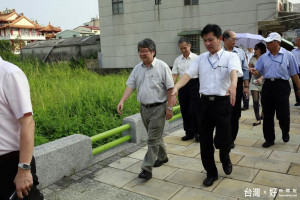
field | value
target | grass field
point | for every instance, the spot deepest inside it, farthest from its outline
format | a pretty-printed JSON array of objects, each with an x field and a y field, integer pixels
[{"x": 68, "y": 99}]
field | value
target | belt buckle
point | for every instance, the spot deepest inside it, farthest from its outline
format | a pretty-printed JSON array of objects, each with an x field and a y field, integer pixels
[
  {"x": 272, "y": 79},
  {"x": 211, "y": 98}
]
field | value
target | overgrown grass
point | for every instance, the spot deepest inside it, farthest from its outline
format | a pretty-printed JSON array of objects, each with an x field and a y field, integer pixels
[{"x": 68, "y": 99}]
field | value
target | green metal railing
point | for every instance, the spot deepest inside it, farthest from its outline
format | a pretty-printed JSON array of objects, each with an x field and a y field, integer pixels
[
  {"x": 108, "y": 134},
  {"x": 120, "y": 129}
]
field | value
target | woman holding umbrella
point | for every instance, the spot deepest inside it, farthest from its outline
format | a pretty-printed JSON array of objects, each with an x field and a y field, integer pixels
[{"x": 256, "y": 82}]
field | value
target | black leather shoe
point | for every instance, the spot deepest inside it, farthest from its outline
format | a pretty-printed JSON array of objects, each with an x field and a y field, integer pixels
[
  {"x": 232, "y": 145},
  {"x": 145, "y": 175},
  {"x": 197, "y": 139},
  {"x": 297, "y": 104},
  {"x": 227, "y": 167},
  {"x": 159, "y": 163},
  {"x": 285, "y": 137},
  {"x": 256, "y": 123},
  {"x": 186, "y": 138},
  {"x": 267, "y": 144},
  {"x": 209, "y": 181},
  {"x": 244, "y": 108}
]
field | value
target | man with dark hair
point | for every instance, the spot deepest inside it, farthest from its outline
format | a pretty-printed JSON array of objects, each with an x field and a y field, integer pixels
[
  {"x": 296, "y": 53},
  {"x": 277, "y": 66},
  {"x": 153, "y": 80},
  {"x": 218, "y": 71},
  {"x": 229, "y": 39},
  {"x": 17, "y": 164},
  {"x": 189, "y": 94}
]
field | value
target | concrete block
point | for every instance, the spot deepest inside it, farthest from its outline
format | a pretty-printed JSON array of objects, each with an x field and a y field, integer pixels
[
  {"x": 62, "y": 157},
  {"x": 137, "y": 129}
]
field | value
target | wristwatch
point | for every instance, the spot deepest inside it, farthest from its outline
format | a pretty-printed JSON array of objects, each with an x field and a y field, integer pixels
[
  {"x": 170, "y": 108},
  {"x": 24, "y": 166}
]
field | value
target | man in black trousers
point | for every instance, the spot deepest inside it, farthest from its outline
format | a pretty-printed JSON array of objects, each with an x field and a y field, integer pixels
[{"x": 189, "y": 97}]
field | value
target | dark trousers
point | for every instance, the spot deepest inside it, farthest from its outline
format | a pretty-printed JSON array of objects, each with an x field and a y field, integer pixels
[
  {"x": 295, "y": 90},
  {"x": 246, "y": 100},
  {"x": 275, "y": 97},
  {"x": 236, "y": 110},
  {"x": 189, "y": 99},
  {"x": 215, "y": 114},
  {"x": 8, "y": 171}
]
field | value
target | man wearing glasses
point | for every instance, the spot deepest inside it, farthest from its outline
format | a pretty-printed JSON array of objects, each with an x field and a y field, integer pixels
[
  {"x": 277, "y": 66},
  {"x": 218, "y": 71},
  {"x": 153, "y": 80},
  {"x": 229, "y": 39}
]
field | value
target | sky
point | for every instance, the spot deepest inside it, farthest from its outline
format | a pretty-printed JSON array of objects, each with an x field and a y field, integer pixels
[{"x": 67, "y": 14}]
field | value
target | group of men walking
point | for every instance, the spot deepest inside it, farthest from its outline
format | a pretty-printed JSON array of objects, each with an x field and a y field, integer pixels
[{"x": 210, "y": 90}]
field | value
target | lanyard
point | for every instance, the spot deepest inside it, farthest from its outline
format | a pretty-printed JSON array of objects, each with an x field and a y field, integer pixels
[
  {"x": 276, "y": 60},
  {"x": 212, "y": 64}
]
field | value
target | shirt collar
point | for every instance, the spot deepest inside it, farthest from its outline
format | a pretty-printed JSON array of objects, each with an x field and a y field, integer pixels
[
  {"x": 281, "y": 51},
  {"x": 219, "y": 53},
  {"x": 152, "y": 64},
  {"x": 189, "y": 57}
]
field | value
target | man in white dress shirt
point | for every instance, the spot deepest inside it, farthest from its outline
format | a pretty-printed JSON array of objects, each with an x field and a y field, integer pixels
[
  {"x": 218, "y": 71},
  {"x": 188, "y": 95}
]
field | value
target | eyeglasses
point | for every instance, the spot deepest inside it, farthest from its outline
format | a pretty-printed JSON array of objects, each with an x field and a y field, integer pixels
[
  {"x": 144, "y": 51},
  {"x": 233, "y": 39}
]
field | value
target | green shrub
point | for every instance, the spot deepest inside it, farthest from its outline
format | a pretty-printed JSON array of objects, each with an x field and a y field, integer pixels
[{"x": 68, "y": 99}]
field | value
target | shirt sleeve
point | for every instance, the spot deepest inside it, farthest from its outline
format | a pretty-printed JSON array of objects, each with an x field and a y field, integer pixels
[
  {"x": 194, "y": 69},
  {"x": 175, "y": 67},
  {"x": 245, "y": 67},
  {"x": 168, "y": 78},
  {"x": 17, "y": 91},
  {"x": 260, "y": 65},
  {"x": 234, "y": 64},
  {"x": 131, "y": 82},
  {"x": 293, "y": 67}
]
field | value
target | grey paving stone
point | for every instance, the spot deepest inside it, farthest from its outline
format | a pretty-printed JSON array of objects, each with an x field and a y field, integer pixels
[
  {"x": 185, "y": 163},
  {"x": 161, "y": 172},
  {"x": 89, "y": 189},
  {"x": 285, "y": 156},
  {"x": 123, "y": 163},
  {"x": 153, "y": 188},
  {"x": 188, "y": 151},
  {"x": 265, "y": 164},
  {"x": 197, "y": 194},
  {"x": 241, "y": 189},
  {"x": 278, "y": 180},
  {"x": 114, "y": 176},
  {"x": 250, "y": 151},
  {"x": 279, "y": 146},
  {"x": 191, "y": 179},
  {"x": 47, "y": 191},
  {"x": 295, "y": 169}
]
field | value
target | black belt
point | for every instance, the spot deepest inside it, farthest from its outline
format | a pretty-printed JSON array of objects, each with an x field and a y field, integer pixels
[
  {"x": 153, "y": 104},
  {"x": 213, "y": 97},
  {"x": 274, "y": 79},
  {"x": 9, "y": 156}
]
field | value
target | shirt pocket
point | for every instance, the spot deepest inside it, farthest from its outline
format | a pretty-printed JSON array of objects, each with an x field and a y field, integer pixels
[{"x": 222, "y": 72}]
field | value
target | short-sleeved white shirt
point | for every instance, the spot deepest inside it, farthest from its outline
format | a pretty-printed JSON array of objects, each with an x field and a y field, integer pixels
[
  {"x": 14, "y": 103},
  {"x": 152, "y": 83},
  {"x": 182, "y": 64},
  {"x": 214, "y": 71}
]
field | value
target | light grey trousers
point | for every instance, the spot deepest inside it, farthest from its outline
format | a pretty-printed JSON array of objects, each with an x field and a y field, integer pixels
[{"x": 154, "y": 122}]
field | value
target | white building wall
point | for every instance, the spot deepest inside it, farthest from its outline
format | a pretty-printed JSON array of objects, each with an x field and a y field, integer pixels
[{"x": 142, "y": 19}]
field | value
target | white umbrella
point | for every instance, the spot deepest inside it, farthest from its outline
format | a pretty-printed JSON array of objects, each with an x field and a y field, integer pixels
[{"x": 248, "y": 40}]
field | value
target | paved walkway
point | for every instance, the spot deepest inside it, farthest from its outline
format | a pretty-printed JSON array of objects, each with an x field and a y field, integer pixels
[{"x": 258, "y": 173}]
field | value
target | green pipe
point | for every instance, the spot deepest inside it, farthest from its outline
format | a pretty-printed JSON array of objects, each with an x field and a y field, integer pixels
[
  {"x": 110, "y": 133},
  {"x": 111, "y": 144},
  {"x": 175, "y": 117},
  {"x": 176, "y": 108}
]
